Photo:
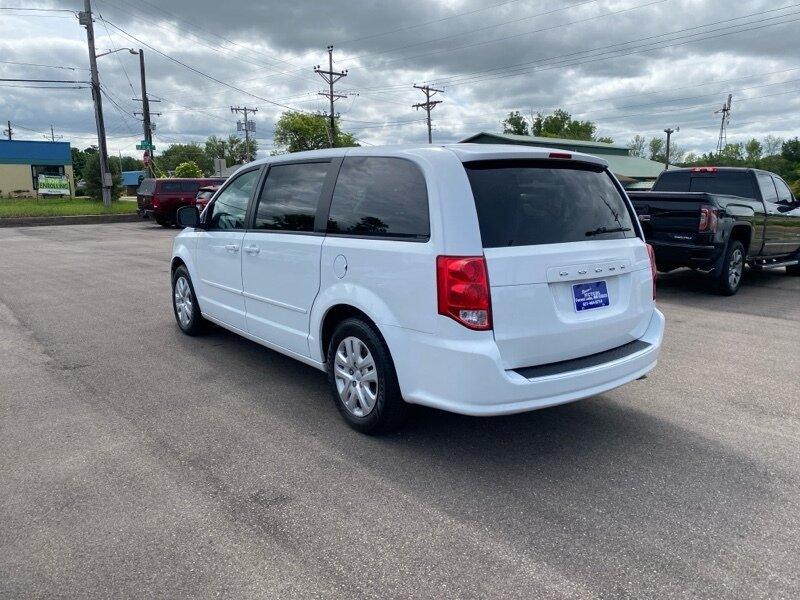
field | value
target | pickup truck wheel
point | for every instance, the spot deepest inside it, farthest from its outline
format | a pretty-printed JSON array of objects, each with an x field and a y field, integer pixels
[
  {"x": 184, "y": 303},
  {"x": 363, "y": 380},
  {"x": 729, "y": 278}
]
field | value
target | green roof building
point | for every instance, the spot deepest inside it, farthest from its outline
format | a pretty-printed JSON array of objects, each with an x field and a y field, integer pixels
[{"x": 632, "y": 171}]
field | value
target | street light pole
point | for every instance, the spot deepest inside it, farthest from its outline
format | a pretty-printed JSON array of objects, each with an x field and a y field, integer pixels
[{"x": 669, "y": 131}]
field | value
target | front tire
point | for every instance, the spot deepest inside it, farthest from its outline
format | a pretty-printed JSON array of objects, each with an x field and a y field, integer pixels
[
  {"x": 184, "y": 303},
  {"x": 729, "y": 279},
  {"x": 363, "y": 379}
]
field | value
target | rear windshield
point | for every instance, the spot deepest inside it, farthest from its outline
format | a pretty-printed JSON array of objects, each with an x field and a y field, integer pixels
[
  {"x": 525, "y": 203},
  {"x": 147, "y": 187},
  {"x": 732, "y": 183}
]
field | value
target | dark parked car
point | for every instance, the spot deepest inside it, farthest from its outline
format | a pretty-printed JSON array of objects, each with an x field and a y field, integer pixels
[
  {"x": 161, "y": 198},
  {"x": 716, "y": 220}
]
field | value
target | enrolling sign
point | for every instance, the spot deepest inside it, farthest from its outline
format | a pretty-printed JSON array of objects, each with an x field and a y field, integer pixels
[{"x": 49, "y": 184}]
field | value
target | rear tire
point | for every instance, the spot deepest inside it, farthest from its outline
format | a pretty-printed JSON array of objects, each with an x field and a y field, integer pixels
[
  {"x": 363, "y": 380},
  {"x": 184, "y": 303},
  {"x": 163, "y": 222},
  {"x": 729, "y": 279}
]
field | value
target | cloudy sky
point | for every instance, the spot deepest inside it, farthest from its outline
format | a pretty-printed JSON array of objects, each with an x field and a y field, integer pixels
[{"x": 633, "y": 66}]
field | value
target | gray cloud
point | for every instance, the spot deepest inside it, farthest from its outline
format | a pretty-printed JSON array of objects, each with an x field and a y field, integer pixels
[{"x": 491, "y": 56}]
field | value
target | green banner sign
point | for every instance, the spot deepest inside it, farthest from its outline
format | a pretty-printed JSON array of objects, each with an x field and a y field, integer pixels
[{"x": 50, "y": 184}]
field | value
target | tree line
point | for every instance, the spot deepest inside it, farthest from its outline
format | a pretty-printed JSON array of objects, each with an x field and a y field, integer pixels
[{"x": 297, "y": 131}]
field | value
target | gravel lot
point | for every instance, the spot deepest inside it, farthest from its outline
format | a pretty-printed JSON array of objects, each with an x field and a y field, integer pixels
[{"x": 138, "y": 462}]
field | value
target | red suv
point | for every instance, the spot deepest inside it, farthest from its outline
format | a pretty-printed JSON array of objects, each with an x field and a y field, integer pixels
[{"x": 161, "y": 198}]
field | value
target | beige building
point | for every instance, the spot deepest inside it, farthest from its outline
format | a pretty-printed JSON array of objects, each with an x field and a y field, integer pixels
[{"x": 23, "y": 161}]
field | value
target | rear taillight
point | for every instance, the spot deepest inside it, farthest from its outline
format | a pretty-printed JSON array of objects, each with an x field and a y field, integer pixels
[
  {"x": 562, "y": 155},
  {"x": 708, "y": 219},
  {"x": 704, "y": 169},
  {"x": 463, "y": 289},
  {"x": 651, "y": 253}
]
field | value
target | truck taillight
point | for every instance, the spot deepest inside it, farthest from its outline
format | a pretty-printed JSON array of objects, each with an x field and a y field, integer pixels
[
  {"x": 653, "y": 271},
  {"x": 708, "y": 219},
  {"x": 463, "y": 290}
]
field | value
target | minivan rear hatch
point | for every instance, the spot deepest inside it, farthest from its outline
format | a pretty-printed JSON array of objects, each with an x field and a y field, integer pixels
[{"x": 568, "y": 275}]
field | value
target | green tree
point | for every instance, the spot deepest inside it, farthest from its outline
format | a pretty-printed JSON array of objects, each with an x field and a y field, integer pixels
[
  {"x": 732, "y": 155},
  {"x": 515, "y": 123},
  {"x": 790, "y": 150},
  {"x": 130, "y": 163},
  {"x": 234, "y": 149},
  {"x": 657, "y": 150},
  {"x": 297, "y": 131},
  {"x": 188, "y": 169},
  {"x": 753, "y": 151},
  {"x": 181, "y": 153},
  {"x": 91, "y": 174},
  {"x": 637, "y": 146},
  {"x": 772, "y": 145},
  {"x": 79, "y": 160},
  {"x": 560, "y": 124}
]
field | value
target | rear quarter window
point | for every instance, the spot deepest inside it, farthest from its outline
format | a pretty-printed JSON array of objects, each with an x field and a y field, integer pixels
[
  {"x": 380, "y": 197},
  {"x": 169, "y": 187},
  {"x": 530, "y": 202}
]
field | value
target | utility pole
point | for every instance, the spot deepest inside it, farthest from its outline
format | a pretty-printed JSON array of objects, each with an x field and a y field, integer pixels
[
  {"x": 85, "y": 19},
  {"x": 53, "y": 136},
  {"x": 146, "y": 124},
  {"x": 723, "y": 128},
  {"x": 669, "y": 131},
  {"x": 248, "y": 127},
  {"x": 330, "y": 76},
  {"x": 9, "y": 132},
  {"x": 428, "y": 105}
]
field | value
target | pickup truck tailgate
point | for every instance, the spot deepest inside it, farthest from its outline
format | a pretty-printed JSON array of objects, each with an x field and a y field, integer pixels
[{"x": 669, "y": 216}]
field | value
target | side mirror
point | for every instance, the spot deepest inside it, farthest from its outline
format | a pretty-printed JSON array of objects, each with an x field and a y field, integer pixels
[{"x": 188, "y": 216}]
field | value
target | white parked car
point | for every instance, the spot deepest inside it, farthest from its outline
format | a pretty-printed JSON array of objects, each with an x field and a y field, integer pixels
[{"x": 479, "y": 279}]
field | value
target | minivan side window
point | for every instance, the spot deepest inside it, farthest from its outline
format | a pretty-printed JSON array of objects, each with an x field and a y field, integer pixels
[
  {"x": 380, "y": 197},
  {"x": 290, "y": 196},
  {"x": 229, "y": 209}
]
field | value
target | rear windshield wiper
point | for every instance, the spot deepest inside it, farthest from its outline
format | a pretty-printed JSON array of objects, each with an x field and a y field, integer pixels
[{"x": 600, "y": 230}]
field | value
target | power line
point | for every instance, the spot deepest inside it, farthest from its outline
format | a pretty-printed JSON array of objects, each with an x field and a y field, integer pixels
[
  {"x": 198, "y": 71},
  {"x": 26, "y": 64},
  {"x": 520, "y": 68}
]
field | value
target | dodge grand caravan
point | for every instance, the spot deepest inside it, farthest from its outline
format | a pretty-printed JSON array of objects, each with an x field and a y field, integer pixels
[{"x": 479, "y": 279}]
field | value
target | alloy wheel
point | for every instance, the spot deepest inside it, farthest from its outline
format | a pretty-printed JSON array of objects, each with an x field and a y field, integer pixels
[
  {"x": 356, "y": 376},
  {"x": 735, "y": 268},
  {"x": 184, "y": 303}
]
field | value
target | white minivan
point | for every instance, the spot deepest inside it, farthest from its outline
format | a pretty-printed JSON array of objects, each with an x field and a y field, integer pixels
[{"x": 478, "y": 279}]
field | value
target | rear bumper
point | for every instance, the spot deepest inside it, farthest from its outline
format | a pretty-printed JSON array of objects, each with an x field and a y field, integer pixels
[
  {"x": 468, "y": 377},
  {"x": 686, "y": 255}
]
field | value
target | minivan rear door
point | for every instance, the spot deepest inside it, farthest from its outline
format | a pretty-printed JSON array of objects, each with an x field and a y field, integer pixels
[{"x": 569, "y": 275}]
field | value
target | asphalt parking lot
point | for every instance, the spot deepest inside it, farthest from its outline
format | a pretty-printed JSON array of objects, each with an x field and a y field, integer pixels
[{"x": 138, "y": 462}]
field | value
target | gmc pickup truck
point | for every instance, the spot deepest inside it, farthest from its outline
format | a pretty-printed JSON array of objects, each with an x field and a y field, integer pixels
[{"x": 717, "y": 219}]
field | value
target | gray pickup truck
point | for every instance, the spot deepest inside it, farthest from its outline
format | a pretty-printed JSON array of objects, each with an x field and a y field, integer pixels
[{"x": 717, "y": 219}]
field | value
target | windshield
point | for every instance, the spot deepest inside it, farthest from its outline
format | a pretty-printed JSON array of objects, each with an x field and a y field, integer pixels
[{"x": 529, "y": 202}]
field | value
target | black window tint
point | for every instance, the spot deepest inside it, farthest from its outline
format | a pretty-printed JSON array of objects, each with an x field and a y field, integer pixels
[
  {"x": 784, "y": 193},
  {"x": 675, "y": 181},
  {"x": 230, "y": 207},
  {"x": 289, "y": 199},
  {"x": 768, "y": 193},
  {"x": 732, "y": 183},
  {"x": 380, "y": 197},
  {"x": 523, "y": 203},
  {"x": 190, "y": 186},
  {"x": 170, "y": 186}
]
